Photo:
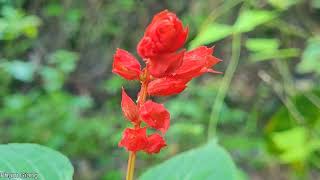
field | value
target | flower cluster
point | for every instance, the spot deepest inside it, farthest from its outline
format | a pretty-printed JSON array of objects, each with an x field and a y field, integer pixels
[{"x": 168, "y": 69}]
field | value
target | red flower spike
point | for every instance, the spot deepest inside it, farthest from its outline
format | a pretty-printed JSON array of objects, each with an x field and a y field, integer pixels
[
  {"x": 134, "y": 139},
  {"x": 155, "y": 115},
  {"x": 155, "y": 144},
  {"x": 165, "y": 34},
  {"x": 166, "y": 86},
  {"x": 165, "y": 64},
  {"x": 129, "y": 108},
  {"x": 126, "y": 65}
]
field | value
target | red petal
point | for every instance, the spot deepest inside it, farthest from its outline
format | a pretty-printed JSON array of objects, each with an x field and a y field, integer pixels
[
  {"x": 155, "y": 144},
  {"x": 166, "y": 87},
  {"x": 189, "y": 69},
  {"x": 126, "y": 65},
  {"x": 134, "y": 139},
  {"x": 196, "y": 62},
  {"x": 155, "y": 115},
  {"x": 129, "y": 108},
  {"x": 165, "y": 64}
]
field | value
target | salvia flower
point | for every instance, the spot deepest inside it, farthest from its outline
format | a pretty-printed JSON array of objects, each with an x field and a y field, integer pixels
[{"x": 168, "y": 68}]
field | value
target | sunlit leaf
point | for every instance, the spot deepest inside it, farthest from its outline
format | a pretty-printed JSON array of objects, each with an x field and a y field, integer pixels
[
  {"x": 290, "y": 142},
  {"x": 278, "y": 54},
  {"x": 249, "y": 19},
  {"x": 210, "y": 34},
  {"x": 262, "y": 44}
]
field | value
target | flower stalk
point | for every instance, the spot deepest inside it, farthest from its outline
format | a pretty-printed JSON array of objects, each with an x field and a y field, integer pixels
[{"x": 168, "y": 69}]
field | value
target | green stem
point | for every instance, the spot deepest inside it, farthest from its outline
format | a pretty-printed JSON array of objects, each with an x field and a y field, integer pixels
[{"x": 222, "y": 92}]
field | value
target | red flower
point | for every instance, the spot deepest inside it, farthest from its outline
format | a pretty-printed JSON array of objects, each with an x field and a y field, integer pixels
[
  {"x": 165, "y": 64},
  {"x": 155, "y": 144},
  {"x": 155, "y": 115},
  {"x": 166, "y": 86},
  {"x": 196, "y": 62},
  {"x": 165, "y": 34},
  {"x": 129, "y": 108},
  {"x": 134, "y": 139},
  {"x": 126, "y": 65}
]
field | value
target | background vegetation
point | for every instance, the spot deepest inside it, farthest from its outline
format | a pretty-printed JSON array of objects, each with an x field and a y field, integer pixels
[{"x": 57, "y": 88}]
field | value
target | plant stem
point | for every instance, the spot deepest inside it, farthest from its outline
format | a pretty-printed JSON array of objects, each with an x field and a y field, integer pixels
[
  {"x": 222, "y": 92},
  {"x": 131, "y": 165},
  {"x": 140, "y": 100}
]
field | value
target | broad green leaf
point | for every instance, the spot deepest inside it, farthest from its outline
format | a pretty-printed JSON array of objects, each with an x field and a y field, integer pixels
[
  {"x": 249, "y": 19},
  {"x": 206, "y": 163},
  {"x": 262, "y": 44},
  {"x": 20, "y": 70},
  {"x": 210, "y": 34},
  {"x": 310, "y": 57},
  {"x": 43, "y": 162}
]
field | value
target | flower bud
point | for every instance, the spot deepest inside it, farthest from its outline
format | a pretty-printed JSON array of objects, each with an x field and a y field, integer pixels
[{"x": 165, "y": 34}]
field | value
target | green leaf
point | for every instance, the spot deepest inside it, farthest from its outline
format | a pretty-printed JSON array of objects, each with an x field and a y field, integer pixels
[
  {"x": 43, "y": 162},
  {"x": 210, "y": 34},
  {"x": 262, "y": 44},
  {"x": 278, "y": 54},
  {"x": 290, "y": 143},
  {"x": 208, "y": 162},
  {"x": 310, "y": 57},
  {"x": 249, "y": 19}
]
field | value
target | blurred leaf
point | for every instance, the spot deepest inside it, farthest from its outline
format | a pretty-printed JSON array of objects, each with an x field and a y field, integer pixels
[
  {"x": 207, "y": 162},
  {"x": 20, "y": 70},
  {"x": 279, "y": 54},
  {"x": 283, "y": 4},
  {"x": 32, "y": 158},
  {"x": 191, "y": 129},
  {"x": 53, "y": 9},
  {"x": 14, "y": 23},
  {"x": 311, "y": 57},
  {"x": 52, "y": 78},
  {"x": 262, "y": 44},
  {"x": 64, "y": 60},
  {"x": 249, "y": 19},
  {"x": 315, "y": 4},
  {"x": 211, "y": 34},
  {"x": 283, "y": 120}
]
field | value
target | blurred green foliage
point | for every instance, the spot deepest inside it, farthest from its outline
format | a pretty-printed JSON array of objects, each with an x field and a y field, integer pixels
[{"x": 57, "y": 88}]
